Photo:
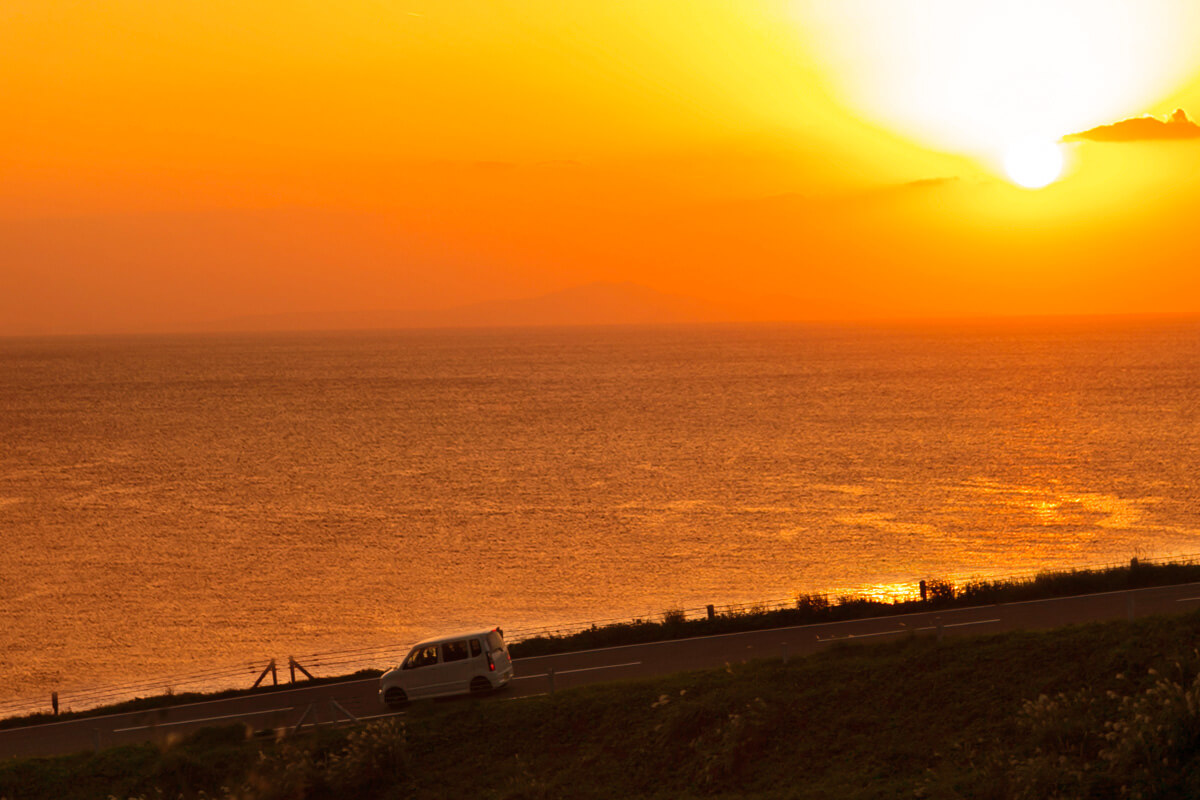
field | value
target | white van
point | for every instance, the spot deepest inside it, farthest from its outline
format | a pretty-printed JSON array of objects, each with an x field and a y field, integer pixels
[{"x": 475, "y": 663}]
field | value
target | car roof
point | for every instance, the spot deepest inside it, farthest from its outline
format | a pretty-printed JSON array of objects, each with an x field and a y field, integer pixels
[{"x": 453, "y": 636}]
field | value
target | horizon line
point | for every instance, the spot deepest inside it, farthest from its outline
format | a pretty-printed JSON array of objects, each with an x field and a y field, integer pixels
[{"x": 814, "y": 322}]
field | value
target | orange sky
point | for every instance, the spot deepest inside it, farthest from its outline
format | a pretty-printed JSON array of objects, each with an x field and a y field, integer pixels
[{"x": 171, "y": 163}]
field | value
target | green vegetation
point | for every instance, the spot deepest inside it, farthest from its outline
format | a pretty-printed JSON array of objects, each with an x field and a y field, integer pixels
[{"x": 1102, "y": 710}]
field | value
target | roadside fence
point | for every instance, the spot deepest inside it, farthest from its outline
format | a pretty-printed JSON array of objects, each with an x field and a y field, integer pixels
[{"x": 81, "y": 699}]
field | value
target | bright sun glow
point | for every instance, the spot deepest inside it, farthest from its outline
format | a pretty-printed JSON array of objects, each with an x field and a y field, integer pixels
[
  {"x": 974, "y": 77},
  {"x": 1033, "y": 163}
]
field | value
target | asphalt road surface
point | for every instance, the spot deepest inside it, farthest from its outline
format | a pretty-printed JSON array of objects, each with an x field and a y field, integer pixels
[{"x": 358, "y": 699}]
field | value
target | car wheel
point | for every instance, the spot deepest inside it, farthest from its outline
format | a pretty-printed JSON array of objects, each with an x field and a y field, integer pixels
[
  {"x": 480, "y": 685},
  {"x": 395, "y": 698}
]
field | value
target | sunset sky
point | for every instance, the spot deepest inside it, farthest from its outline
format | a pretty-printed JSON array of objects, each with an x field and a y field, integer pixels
[{"x": 169, "y": 164}]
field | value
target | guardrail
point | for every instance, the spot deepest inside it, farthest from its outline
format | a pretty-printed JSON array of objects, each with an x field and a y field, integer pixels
[{"x": 332, "y": 663}]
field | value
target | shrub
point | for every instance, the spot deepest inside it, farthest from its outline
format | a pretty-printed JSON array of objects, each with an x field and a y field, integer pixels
[
  {"x": 375, "y": 755},
  {"x": 940, "y": 590},
  {"x": 816, "y": 605},
  {"x": 1141, "y": 743}
]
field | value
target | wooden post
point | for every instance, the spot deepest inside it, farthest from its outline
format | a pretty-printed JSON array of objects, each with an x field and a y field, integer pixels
[
  {"x": 54, "y": 702},
  {"x": 924, "y": 592},
  {"x": 269, "y": 668},
  {"x": 712, "y": 612},
  {"x": 550, "y": 675},
  {"x": 294, "y": 665}
]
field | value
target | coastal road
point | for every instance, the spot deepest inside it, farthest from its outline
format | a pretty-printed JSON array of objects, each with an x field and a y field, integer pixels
[{"x": 332, "y": 702}]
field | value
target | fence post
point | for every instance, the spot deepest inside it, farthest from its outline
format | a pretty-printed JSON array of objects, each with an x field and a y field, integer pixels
[
  {"x": 54, "y": 702},
  {"x": 550, "y": 675},
  {"x": 712, "y": 612},
  {"x": 269, "y": 668},
  {"x": 924, "y": 592},
  {"x": 294, "y": 665}
]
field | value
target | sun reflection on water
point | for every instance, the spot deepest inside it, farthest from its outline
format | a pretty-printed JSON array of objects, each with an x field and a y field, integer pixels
[
  {"x": 890, "y": 592},
  {"x": 1045, "y": 510}
]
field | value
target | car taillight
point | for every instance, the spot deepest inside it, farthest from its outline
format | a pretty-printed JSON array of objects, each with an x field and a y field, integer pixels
[{"x": 491, "y": 664}]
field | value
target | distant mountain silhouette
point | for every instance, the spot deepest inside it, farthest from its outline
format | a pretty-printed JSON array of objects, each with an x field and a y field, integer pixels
[{"x": 593, "y": 304}]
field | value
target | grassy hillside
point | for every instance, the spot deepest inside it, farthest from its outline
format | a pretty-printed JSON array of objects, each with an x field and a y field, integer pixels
[{"x": 1105, "y": 710}]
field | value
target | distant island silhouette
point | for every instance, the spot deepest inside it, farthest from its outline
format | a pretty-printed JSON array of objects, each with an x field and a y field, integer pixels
[{"x": 1141, "y": 129}]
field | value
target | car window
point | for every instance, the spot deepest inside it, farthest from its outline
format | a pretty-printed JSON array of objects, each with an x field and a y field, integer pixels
[
  {"x": 454, "y": 651},
  {"x": 422, "y": 658},
  {"x": 475, "y": 648}
]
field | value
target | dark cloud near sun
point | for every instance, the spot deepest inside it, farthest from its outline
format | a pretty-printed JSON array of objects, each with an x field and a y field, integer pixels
[{"x": 1141, "y": 129}]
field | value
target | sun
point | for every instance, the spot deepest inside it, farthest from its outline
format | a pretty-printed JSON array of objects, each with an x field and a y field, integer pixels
[
  {"x": 1033, "y": 163},
  {"x": 974, "y": 78}
]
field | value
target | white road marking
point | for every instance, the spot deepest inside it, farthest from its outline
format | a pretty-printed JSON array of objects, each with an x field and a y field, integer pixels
[
  {"x": 974, "y": 622},
  {"x": 859, "y": 636},
  {"x": 205, "y": 719},
  {"x": 905, "y": 630},
  {"x": 581, "y": 669},
  {"x": 1186, "y": 599},
  {"x": 1143, "y": 590},
  {"x": 383, "y": 716}
]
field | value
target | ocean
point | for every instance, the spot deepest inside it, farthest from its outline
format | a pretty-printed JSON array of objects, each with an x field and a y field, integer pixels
[{"x": 176, "y": 504}]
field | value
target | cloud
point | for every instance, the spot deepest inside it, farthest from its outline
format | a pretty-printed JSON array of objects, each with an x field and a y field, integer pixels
[{"x": 1141, "y": 129}]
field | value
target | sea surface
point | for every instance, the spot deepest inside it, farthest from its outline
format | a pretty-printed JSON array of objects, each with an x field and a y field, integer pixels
[{"x": 171, "y": 505}]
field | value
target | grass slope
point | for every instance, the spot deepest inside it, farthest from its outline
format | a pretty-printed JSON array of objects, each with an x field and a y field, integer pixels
[{"x": 1012, "y": 715}]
